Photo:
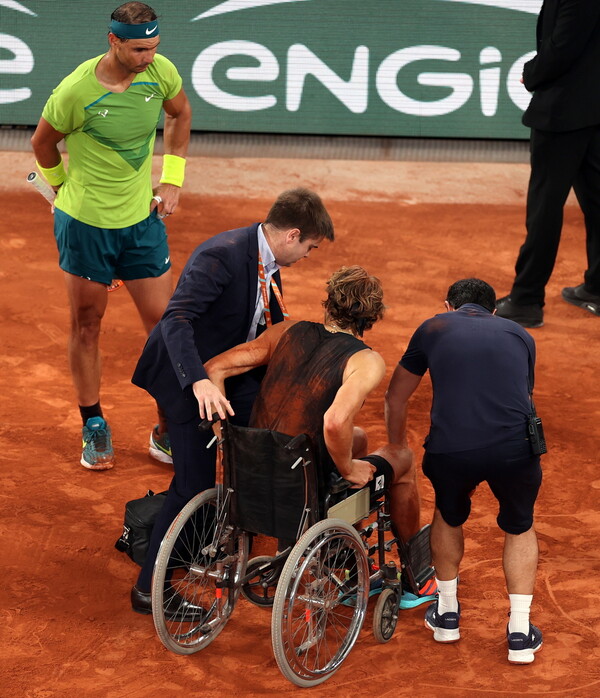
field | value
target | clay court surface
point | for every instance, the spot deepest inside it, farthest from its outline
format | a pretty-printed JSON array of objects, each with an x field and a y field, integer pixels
[{"x": 67, "y": 627}]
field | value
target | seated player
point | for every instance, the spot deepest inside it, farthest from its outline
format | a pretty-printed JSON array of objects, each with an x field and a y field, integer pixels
[{"x": 318, "y": 377}]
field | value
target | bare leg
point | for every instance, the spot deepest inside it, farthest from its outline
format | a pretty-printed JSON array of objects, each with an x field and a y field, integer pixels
[
  {"x": 151, "y": 297},
  {"x": 520, "y": 561},
  {"x": 360, "y": 443},
  {"x": 87, "y": 300},
  {"x": 447, "y": 547},
  {"x": 403, "y": 494}
]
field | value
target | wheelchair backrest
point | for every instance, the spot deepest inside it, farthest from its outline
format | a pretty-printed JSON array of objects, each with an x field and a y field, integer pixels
[{"x": 272, "y": 478}]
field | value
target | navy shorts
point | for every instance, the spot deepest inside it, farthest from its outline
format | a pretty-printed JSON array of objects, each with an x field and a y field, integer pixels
[
  {"x": 512, "y": 472},
  {"x": 138, "y": 251}
]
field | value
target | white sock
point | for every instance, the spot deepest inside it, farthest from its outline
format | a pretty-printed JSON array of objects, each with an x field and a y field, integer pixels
[
  {"x": 447, "y": 601},
  {"x": 520, "y": 605}
]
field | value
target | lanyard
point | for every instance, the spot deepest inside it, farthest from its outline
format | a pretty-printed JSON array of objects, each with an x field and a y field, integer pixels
[{"x": 263, "y": 289}]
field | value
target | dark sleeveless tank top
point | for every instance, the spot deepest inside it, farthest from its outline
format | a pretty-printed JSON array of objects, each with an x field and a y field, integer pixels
[{"x": 302, "y": 379}]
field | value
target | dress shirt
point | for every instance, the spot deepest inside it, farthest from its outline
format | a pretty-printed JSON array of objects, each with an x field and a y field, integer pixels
[{"x": 270, "y": 266}]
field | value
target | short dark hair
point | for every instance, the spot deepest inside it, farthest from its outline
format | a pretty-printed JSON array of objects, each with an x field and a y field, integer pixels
[
  {"x": 354, "y": 299},
  {"x": 303, "y": 209},
  {"x": 471, "y": 291},
  {"x": 134, "y": 13}
]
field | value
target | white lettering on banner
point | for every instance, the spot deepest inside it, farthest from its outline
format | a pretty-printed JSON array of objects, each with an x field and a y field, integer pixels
[
  {"x": 21, "y": 64},
  {"x": 267, "y": 70},
  {"x": 390, "y": 93},
  {"x": 353, "y": 94},
  {"x": 489, "y": 81}
]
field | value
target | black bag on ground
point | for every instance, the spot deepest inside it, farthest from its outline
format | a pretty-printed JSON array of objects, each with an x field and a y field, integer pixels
[{"x": 140, "y": 515}]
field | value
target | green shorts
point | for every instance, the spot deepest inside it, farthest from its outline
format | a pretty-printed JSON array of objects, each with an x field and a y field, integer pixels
[{"x": 139, "y": 251}]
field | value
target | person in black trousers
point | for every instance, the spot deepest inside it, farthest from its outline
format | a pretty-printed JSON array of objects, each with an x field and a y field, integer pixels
[
  {"x": 228, "y": 292},
  {"x": 564, "y": 116}
]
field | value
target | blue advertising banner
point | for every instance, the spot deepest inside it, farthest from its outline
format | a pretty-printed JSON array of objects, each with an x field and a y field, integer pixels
[{"x": 426, "y": 68}]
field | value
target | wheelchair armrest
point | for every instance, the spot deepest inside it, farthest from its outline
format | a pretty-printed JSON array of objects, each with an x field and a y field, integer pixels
[{"x": 340, "y": 485}]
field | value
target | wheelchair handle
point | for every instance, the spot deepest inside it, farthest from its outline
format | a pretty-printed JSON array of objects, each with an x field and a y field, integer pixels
[
  {"x": 296, "y": 442},
  {"x": 207, "y": 424}
]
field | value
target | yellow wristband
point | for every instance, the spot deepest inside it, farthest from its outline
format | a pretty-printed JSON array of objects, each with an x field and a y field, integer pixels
[
  {"x": 173, "y": 171},
  {"x": 55, "y": 176}
]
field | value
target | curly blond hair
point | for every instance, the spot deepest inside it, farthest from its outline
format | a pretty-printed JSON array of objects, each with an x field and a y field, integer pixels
[{"x": 354, "y": 299}]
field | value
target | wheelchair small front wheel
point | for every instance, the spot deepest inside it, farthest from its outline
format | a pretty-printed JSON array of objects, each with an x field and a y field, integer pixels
[
  {"x": 260, "y": 588},
  {"x": 320, "y": 602},
  {"x": 385, "y": 615},
  {"x": 196, "y": 583}
]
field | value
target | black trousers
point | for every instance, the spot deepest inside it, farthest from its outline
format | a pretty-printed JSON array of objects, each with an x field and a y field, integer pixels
[
  {"x": 194, "y": 467},
  {"x": 559, "y": 161}
]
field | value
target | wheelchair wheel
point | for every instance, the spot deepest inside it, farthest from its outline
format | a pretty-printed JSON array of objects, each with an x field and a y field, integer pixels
[
  {"x": 260, "y": 588},
  {"x": 195, "y": 585},
  {"x": 385, "y": 615},
  {"x": 320, "y": 603}
]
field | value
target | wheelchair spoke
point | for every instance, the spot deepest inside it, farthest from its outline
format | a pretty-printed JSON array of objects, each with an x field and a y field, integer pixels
[
  {"x": 313, "y": 631},
  {"x": 196, "y": 575}
]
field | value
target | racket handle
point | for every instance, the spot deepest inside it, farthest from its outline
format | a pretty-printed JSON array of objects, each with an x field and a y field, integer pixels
[
  {"x": 49, "y": 194},
  {"x": 42, "y": 186}
]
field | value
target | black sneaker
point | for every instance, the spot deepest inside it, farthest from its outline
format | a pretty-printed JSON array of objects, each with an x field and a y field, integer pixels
[
  {"x": 445, "y": 626},
  {"x": 530, "y": 316},
  {"x": 521, "y": 647},
  {"x": 577, "y": 295}
]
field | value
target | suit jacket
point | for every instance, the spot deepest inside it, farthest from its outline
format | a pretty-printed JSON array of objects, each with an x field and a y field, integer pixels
[
  {"x": 210, "y": 311},
  {"x": 565, "y": 74}
]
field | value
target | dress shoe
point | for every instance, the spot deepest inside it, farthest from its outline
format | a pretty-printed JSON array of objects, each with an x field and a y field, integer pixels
[
  {"x": 175, "y": 606},
  {"x": 577, "y": 295},
  {"x": 526, "y": 315}
]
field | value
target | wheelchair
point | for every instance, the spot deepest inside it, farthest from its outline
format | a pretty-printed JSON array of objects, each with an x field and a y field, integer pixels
[{"x": 318, "y": 584}]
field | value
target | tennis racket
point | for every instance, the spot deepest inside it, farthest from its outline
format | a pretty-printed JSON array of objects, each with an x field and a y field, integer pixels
[
  {"x": 42, "y": 186},
  {"x": 49, "y": 194}
]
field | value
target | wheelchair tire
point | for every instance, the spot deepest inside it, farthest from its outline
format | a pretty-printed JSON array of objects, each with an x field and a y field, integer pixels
[
  {"x": 185, "y": 566},
  {"x": 260, "y": 589},
  {"x": 385, "y": 615},
  {"x": 320, "y": 602}
]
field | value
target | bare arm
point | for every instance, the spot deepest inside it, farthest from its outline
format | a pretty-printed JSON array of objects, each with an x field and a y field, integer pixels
[
  {"x": 245, "y": 357},
  {"x": 45, "y": 142},
  {"x": 210, "y": 392},
  {"x": 364, "y": 371},
  {"x": 402, "y": 385},
  {"x": 178, "y": 120}
]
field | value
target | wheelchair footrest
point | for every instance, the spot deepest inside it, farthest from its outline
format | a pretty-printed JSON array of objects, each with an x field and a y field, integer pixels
[
  {"x": 419, "y": 556},
  {"x": 389, "y": 544}
]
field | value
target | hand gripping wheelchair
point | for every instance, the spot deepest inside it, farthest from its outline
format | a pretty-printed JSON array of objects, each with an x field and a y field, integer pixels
[{"x": 319, "y": 582}]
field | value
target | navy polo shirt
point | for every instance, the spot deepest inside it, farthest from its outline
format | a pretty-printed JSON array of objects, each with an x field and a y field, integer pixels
[{"x": 479, "y": 366}]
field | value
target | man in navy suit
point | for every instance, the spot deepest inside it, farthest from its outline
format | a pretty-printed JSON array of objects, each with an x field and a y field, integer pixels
[
  {"x": 228, "y": 292},
  {"x": 564, "y": 116}
]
